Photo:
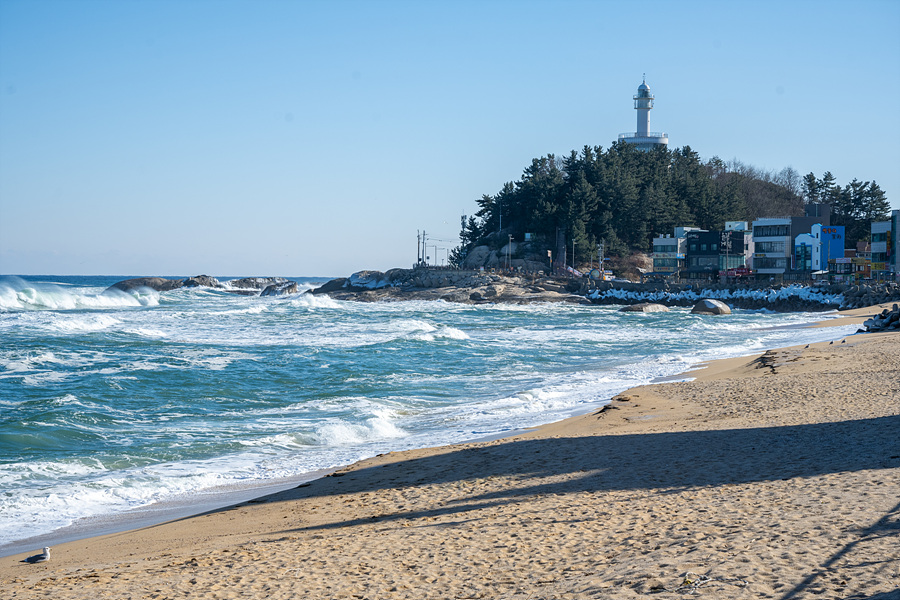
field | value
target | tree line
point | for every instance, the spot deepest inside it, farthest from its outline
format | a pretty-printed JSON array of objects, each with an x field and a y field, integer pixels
[{"x": 625, "y": 197}]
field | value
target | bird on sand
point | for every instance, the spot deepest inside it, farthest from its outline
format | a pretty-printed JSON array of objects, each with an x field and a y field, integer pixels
[{"x": 37, "y": 558}]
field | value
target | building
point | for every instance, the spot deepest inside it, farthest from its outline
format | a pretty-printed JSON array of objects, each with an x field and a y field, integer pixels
[
  {"x": 772, "y": 247},
  {"x": 885, "y": 243},
  {"x": 813, "y": 250},
  {"x": 774, "y": 255},
  {"x": 643, "y": 138},
  {"x": 714, "y": 254},
  {"x": 668, "y": 252}
]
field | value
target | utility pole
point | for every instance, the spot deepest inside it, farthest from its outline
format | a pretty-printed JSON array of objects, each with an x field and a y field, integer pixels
[{"x": 600, "y": 259}]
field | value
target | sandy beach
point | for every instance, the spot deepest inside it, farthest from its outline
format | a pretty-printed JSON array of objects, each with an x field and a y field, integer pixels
[{"x": 770, "y": 476}]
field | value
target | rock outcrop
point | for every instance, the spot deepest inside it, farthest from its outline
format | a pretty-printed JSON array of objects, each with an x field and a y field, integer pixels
[
  {"x": 249, "y": 286},
  {"x": 202, "y": 281},
  {"x": 463, "y": 286},
  {"x": 255, "y": 283},
  {"x": 709, "y": 306},
  {"x": 280, "y": 289},
  {"x": 159, "y": 284},
  {"x": 646, "y": 307}
]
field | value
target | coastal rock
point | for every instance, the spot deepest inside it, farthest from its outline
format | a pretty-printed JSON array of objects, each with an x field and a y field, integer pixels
[
  {"x": 280, "y": 289},
  {"x": 202, "y": 281},
  {"x": 646, "y": 307},
  {"x": 709, "y": 306},
  {"x": 479, "y": 256},
  {"x": 159, "y": 284},
  {"x": 335, "y": 285},
  {"x": 256, "y": 283},
  {"x": 369, "y": 280},
  {"x": 492, "y": 291}
]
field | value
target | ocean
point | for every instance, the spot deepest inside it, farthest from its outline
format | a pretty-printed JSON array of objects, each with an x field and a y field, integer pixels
[{"x": 113, "y": 405}]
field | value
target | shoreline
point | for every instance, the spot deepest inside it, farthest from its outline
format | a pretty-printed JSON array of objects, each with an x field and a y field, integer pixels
[
  {"x": 191, "y": 504},
  {"x": 221, "y": 497},
  {"x": 631, "y": 413}
]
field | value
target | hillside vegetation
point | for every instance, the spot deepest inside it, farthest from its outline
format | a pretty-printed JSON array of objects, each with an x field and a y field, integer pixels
[{"x": 624, "y": 197}]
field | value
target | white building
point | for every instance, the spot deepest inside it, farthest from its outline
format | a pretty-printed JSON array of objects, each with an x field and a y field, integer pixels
[
  {"x": 881, "y": 247},
  {"x": 643, "y": 138},
  {"x": 668, "y": 251},
  {"x": 772, "y": 245}
]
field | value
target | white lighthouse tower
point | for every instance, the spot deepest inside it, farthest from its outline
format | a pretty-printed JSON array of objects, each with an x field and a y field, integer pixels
[{"x": 643, "y": 138}]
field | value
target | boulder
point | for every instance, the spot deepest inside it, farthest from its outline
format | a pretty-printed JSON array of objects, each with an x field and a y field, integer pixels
[
  {"x": 202, "y": 281},
  {"x": 256, "y": 283},
  {"x": 646, "y": 307},
  {"x": 335, "y": 285},
  {"x": 368, "y": 280},
  {"x": 477, "y": 257},
  {"x": 492, "y": 291},
  {"x": 159, "y": 284},
  {"x": 280, "y": 289},
  {"x": 708, "y": 306}
]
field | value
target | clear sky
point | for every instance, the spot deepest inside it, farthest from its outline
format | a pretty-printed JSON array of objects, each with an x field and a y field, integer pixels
[{"x": 316, "y": 138}]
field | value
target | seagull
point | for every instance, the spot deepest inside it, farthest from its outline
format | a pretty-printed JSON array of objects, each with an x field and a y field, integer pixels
[{"x": 42, "y": 557}]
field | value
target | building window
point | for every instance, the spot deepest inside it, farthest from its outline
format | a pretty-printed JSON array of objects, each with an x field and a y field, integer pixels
[
  {"x": 769, "y": 263},
  {"x": 771, "y": 230},
  {"x": 770, "y": 247},
  {"x": 693, "y": 247}
]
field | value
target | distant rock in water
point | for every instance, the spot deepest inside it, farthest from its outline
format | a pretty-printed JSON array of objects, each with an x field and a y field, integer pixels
[
  {"x": 646, "y": 307},
  {"x": 202, "y": 281},
  {"x": 250, "y": 286},
  {"x": 280, "y": 289},
  {"x": 708, "y": 306},
  {"x": 256, "y": 283},
  {"x": 159, "y": 284}
]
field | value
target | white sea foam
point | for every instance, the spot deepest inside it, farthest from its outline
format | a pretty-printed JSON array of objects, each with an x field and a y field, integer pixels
[
  {"x": 17, "y": 294},
  {"x": 315, "y": 301}
]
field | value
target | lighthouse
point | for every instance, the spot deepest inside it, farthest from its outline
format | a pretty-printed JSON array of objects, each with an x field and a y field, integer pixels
[{"x": 643, "y": 138}]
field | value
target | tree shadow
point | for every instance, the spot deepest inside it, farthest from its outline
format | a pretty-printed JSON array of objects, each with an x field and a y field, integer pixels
[{"x": 670, "y": 461}]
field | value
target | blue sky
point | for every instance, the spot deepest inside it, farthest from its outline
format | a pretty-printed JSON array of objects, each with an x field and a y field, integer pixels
[{"x": 316, "y": 138}]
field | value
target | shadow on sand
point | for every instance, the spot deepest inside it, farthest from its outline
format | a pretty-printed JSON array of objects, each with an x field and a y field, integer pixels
[{"x": 620, "y": 462}]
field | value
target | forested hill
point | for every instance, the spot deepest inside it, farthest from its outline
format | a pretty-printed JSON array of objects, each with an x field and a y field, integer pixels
[{"x": 625, "y": 197}]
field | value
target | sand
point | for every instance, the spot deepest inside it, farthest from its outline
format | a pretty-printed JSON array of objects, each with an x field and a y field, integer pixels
[{"x": 773, "y": 476}]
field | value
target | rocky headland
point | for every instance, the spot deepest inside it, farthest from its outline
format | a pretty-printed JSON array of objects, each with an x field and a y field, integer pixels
[
  {"x": 468, "y": 287},
  {"x": 483, "y": 287}
]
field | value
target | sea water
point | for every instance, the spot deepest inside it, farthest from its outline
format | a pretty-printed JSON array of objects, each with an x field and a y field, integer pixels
[{"x": 112, "y": 402}]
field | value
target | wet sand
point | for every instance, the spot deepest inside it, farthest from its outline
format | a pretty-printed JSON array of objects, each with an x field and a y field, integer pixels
[{"x": 772, "y": 476}]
